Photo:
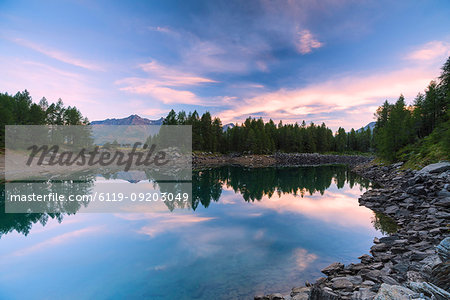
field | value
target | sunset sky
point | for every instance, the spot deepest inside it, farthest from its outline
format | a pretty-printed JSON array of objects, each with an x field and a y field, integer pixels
[{"x": 323, "y": 61}]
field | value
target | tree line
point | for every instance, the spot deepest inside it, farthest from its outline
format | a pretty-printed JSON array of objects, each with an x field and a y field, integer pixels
[
  {"x": 401, "y": 130},
  {"x": 256, "y": 137},
  {"x": 20, "y": 110}
]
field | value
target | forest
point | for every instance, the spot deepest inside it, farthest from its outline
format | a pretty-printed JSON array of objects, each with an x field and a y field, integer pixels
[
  {"x": 256, "y": 137},
  {"x": 20, "y": 110},
  {"x": 419, "y": 132}
]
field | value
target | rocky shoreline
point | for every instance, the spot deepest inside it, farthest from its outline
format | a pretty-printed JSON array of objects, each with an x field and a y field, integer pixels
[
  {"x": 414, "y": 262},
  {"x": 277, "y": 159}
]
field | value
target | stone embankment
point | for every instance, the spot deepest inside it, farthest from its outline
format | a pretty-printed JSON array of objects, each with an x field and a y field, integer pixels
[
  {"x": 278, "y": 159},
  {"x": 414, "y": 262}
]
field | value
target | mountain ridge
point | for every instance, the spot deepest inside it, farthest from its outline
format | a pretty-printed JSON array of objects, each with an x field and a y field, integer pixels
[{"x": 130, "y": 120}]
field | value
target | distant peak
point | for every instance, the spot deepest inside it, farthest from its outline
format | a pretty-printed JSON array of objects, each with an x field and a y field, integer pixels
[{"x": 133, "y": 119}]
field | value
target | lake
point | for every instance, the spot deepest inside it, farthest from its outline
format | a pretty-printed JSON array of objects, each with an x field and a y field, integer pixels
[{"x": 246, "y": 232}]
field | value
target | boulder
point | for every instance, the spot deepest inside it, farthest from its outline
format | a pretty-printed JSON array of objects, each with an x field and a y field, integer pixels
[
  {"x": 394, "y": 292},
  {"x": 428, "y": 263},
  {"x": 378, "y": 247},
  {"x": 363, "y": 294},
  {"x": 301, "y": 297},
  {"x": 440, "y": 275},
  {"x": 430, "y": 290},
  {"x": 341, "y": 283},
  {"x": 365, "y": 258},
  {"x": 276, "y": 296},
  {"x": 333, "y": 268},
  {"x": 372, "y": 275},
  {"x": 391, "y": 209},
  {"x": 436, "y": 168},
  {"x": 354, "y": 279},
  {"x": 443, "y": 249},
  {"x": 389, "y": 280},
  {"x": 445, "y": 202},
  {"x": 301, "y": 293},
  {"x": 325, "y": 293}
]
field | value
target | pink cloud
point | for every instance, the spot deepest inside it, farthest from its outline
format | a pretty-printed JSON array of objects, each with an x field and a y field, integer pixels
[
  {"x": 164, "y": 222},
  {"x": 58, "y": 55},
  {"x": 60, "y": 239},
  {"x": 155, "y": 112},
  {"x": 171, "y": 76},
  {"x": 306, "y": 42},
  {"x": 430, "y": 51},
  {"x": 346, "y": 94},
  {"x": 338, "y": 208},
  {"x": 303, "y": 258},
  {"x": 165, "y": 84},
  {"x": 44, "y": 80}
]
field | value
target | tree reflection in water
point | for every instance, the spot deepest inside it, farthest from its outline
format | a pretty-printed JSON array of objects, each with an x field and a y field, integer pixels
[
  {"x": 207, "y": 185},
  {"x": 254, "y": 183}
]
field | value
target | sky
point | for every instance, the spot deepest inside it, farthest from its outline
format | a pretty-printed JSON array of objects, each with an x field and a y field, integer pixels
[{"x": 320, "y": 61}]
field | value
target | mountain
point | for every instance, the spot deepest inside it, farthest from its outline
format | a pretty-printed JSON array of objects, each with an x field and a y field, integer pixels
[
  {"x": 371, "y": 125},
  {"x": 227, "y": 126},
  {"x": 131, "y": 120}
]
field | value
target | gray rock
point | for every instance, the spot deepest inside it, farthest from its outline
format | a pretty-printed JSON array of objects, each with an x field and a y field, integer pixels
[
  {"x": 276, "y": 296},
  {"x": 414, "y": 276},
  {"x": 300, "y": 297},
  {"x": 393, "y": 292},
  {"x": 354, "y": 279},
  {"x": 428, "y": 263},
  {"x": 429, "y": 289},
  {"x": 378, "y": 247},
  {"x": 373, "y": 275},
  {"x": 443, "y": 249},
  {"x": 442, "y": 215},
  {"x": 440, "y": 275},
  {"x": 445, "y": 202},
  {"x": 333, "y": 268},
  {"x": 368, "y": 282},
  {"x": 365, "y": 258},
  {"x": 363, "y": 294},
  {"x": 418, "y": 255},
  {"x": 397, "y": 165},
  {"x": 325, "y": 293},
  {"x": 302, "y": 292},
  {"x": 436, "y": 168},
  {"x": 400, "y": 268},
  {"x": 391, "y": 209},
  {"x": 389, "y": 280},
  {"x": 341, "y": 283},
  {"x": 444, "y": 193}
]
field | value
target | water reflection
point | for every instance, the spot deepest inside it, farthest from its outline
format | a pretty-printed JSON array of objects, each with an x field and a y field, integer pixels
[
  {"x": 209, "y": 184},
  {"x": 384, "y": 223},
  {"x": 246, "y": 232},
  {"x": 253, "y": 184}
]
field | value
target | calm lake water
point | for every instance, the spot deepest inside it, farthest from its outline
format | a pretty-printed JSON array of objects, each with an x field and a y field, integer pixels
[{"x": 247, "y": 232}]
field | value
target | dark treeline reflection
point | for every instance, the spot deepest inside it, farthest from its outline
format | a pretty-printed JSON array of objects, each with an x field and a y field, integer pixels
[
  {"x": 23, "y": 222},
  {"x": 254, "y": 183},
  {"x": 207, "y": 186}
]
